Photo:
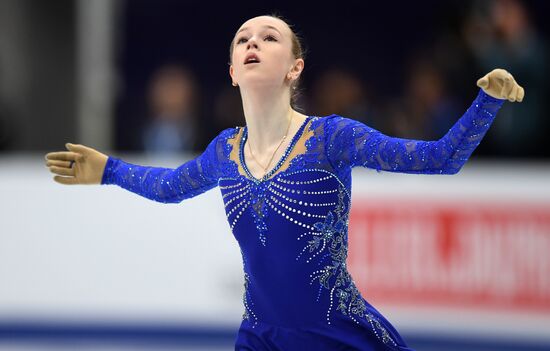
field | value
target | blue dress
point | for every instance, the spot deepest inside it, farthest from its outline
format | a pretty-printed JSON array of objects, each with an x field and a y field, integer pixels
[{"x": 291, "y": 225}]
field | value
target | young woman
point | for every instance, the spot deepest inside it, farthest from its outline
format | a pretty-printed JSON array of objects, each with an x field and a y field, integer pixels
[{"x": 286, "y": 179}]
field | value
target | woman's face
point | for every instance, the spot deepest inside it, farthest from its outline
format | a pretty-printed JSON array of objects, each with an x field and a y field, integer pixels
[{"x": 270, "y": 40}]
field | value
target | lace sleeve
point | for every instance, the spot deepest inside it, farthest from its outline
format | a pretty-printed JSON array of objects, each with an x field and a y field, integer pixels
[
  {"x": 168, "y": 185},
  {"x": 351, "y": 143}
]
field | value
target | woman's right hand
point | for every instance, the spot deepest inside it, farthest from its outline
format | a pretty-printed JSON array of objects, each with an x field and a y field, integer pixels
[{"x": 88, "y": 167}]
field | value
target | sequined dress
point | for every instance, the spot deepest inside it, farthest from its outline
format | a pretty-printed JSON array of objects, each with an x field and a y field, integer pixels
[{"x": 292, "y": 225}]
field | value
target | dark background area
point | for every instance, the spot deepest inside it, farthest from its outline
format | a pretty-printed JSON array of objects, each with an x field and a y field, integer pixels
[
  {"x": 49, "y": 95},
  {"x": 373, "y": 40}
]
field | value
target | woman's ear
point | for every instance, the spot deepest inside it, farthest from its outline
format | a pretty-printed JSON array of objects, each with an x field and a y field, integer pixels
[
  {"x": 296, "y": 69},
  {"x": 231, "y": 75}
]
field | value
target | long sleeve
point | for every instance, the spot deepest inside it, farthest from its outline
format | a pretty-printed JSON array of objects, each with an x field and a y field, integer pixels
[
  {"x": 350, "y": 143},
  {"x": 168, "y": 185}
]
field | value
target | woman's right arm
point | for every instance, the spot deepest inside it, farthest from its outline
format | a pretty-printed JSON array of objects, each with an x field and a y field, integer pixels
[{"x": 166, "y": 185}]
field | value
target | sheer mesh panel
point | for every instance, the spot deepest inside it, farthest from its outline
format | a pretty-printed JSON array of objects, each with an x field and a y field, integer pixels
[
  {"x": 351, "y": 143},
  {"x": 170, "y": 185}
]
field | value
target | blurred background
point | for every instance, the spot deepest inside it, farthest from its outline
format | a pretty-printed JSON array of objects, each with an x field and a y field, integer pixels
[{"x": 148, "y": 81}]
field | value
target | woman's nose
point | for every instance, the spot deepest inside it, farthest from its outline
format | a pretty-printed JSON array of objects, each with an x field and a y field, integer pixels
[{"x": 252, "y": 42}]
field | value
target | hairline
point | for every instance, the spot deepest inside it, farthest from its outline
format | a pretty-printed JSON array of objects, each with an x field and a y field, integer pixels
[{"x": 264, "y": 26}]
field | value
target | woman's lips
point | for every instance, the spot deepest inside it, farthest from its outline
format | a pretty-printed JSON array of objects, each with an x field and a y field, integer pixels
[{"x": 251, "y": 56}]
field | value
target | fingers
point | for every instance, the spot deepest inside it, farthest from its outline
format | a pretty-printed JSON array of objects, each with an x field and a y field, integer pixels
[
  {"x": 62, "y": 170},
  {"x": 76, "y": 153},
  {"x": 77, "y": 148},
  {"x": 63, "y": 156},
  {"x": 513, "y": 93},
  {"x": 507, "y": 87},
  {"x": 66, "y": 164},
  {"x": 516, "y": 92},
  {"x": 65, "y": 180},
  {"x": 483, "y": 82},
  {"x": 503, "y": 85},
  {"x": 521, "y": 94},
  {"x": 59, "y": 163}
]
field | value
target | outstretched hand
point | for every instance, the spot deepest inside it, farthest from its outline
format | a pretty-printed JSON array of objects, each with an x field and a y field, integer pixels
[
  {"x": 501, "y": 85},
  {"x": 88, "y": 166}
]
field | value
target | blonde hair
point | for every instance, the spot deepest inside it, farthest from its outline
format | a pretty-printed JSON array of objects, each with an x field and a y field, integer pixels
[{"x": 297, "y": 51}]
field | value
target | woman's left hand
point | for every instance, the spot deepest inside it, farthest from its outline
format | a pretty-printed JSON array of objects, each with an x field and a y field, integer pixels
[{"x": 501, "y": 85}]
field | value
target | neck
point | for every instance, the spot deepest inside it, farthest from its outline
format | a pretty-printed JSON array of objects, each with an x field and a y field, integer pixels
[{"x": 267, "y": 114}]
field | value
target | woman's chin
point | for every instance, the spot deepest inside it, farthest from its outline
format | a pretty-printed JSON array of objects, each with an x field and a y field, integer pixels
[{"x": 257, "y": 80}]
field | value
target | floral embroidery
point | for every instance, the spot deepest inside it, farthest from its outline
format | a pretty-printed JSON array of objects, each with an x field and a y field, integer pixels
[
  {"x": 258, "y": 195},
  {"x": 246, "y": 295},
  {"x": 335, "y": 276},
  {"x": 385, "y": 337},
  {"x": 248, "y": 314}
]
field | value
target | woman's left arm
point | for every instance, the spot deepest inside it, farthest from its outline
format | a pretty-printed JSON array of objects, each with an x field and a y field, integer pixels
[{"x": 353, "y": 143}]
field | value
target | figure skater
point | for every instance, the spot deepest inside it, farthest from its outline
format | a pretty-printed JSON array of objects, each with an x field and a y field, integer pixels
[{"x": 290, "y": 216}]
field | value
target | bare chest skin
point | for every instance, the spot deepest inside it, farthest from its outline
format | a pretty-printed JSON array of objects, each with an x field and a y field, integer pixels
[{"x": 258, "y": 170}]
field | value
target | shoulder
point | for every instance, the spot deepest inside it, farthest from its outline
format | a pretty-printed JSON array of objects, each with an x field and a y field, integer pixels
[
  {"x": 337, "y": 123},
  {"x": 228, "y": 133},
  {"x": 338, "y": 119},
  {"x": 221, "y": 138}
]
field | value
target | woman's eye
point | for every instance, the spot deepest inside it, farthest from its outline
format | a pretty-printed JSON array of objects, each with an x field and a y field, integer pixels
[{"x": 269, "y": 36}]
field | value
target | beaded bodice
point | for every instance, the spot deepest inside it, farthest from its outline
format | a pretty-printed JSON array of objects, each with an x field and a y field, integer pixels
[
  {"x": 290, "y": 148},
  {"x": 292, "y": 224}
]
